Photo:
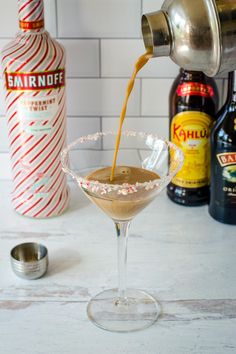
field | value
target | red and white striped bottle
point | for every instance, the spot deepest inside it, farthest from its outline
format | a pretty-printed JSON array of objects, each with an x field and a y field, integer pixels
[{"x": 34, "y": 69}]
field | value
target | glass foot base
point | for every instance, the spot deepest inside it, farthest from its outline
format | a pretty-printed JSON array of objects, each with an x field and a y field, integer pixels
[{"x": 139, "y": 310}]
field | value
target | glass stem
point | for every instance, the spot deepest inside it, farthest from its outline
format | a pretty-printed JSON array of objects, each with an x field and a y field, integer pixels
[{"x": 122, "y": 229}]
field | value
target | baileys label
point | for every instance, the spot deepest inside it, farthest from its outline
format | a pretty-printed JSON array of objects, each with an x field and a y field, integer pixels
[{"x": 227, "y": 158}]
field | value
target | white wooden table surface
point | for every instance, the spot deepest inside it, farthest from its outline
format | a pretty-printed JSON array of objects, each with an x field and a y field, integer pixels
[{"x": 180, "y": 255}]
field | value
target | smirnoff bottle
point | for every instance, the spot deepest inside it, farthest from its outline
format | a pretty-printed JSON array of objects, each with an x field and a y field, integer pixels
[{"x": 34, "y": 69}]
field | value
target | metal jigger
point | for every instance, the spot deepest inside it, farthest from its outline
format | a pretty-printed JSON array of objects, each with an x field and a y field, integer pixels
[{"x": 29, "y": 260}]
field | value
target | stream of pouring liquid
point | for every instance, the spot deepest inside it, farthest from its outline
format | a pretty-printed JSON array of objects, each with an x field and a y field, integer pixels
[{"x": 142, "y": 60}]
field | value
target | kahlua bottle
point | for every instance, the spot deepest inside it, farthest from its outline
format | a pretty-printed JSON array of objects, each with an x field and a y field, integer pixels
[{"x": 193, "y": 105}]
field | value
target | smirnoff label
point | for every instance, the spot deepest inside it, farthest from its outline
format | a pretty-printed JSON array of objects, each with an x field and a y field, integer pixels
[
  {"x": 227, "y": 159},
  {"x": 37, "y": 109},
  {"x": 195, "y": 89},
  {"x": 42, "y": 111},
  {"x": 35, "y": 81},
  {"x": 190, "y": 131}
]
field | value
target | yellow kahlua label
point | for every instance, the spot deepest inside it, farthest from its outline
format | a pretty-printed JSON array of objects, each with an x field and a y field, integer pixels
[{"x": 190, "y": 131}]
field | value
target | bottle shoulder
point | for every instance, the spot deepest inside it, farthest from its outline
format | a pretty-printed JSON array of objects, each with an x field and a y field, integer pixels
[
  {"x": 193, "y": 103},
  {"x": 28, "y": 45},
  {"x": 225, "y": 128},
  {"x": 200, "y": 94}
]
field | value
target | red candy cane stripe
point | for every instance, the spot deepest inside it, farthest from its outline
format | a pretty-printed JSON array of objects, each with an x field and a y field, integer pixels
[
  {"x": 22, "y": 54},
  {"x": 29, "y": 9},
  {"x": 37, "y": 138},
  {"x": 37, "y": 191},
  {"x": 45, "y": 171},
  {"x": 40, "y": 164},
  {"x": 38, "y": 142},
  {"x": 37, "y": 179},
  {"x": 25, "y": 5},
  {"x": 51, "y": 199},
  {"x": 32, "y": 12}
]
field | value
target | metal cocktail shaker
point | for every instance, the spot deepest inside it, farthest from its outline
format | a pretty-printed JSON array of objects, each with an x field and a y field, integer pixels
[{"x": 198, "y": 35}]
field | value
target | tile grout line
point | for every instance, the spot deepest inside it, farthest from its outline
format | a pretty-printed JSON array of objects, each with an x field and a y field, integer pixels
[
  {"x": 100, "y": 57},
  {"x": 122, "y": 77},
  {"x": 56, "y": 15},
  {"x": 101, "y": 130},
  {"x": 92, "y": 38},
  {"x": 97, "y": 149},
  {"x": 141, "y": 98},
  {"x": 141, "y": 7},
  {"x": 78, "y": 38},
  {"x": 141, "y": 12},
  {"x": 151, "y": 78},
  {"x": 84, "y": 116}
]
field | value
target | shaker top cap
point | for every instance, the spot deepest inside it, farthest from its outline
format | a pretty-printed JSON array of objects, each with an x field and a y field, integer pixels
[{"x": 156, "y": 33}]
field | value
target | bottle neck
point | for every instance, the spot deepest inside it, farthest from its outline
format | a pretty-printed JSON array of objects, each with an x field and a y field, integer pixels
[
  {"x": 192, "y": 75},
  {"x": 232, "y": 86},
  {"x": 31, "y": 15}
]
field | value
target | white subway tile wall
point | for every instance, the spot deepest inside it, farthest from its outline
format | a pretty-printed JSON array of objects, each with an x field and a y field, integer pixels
[
  {"x": 102, "y": 40},
  {"x": 118, "y": 57},
  {"x": 140, "y": 123},
  {"x": 99, "y": 18},
  {"x": 82, "y": 57},
  {"x": 151, "y": 5},
  {"x": 103, "y": 97}
]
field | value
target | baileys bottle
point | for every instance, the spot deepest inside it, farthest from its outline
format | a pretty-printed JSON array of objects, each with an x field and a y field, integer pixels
[{"x": 223, "y": 160}]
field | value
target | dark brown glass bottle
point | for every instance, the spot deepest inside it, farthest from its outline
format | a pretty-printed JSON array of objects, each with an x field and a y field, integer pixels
[
  {"x": 193, "y": 106},
  {"x": 223, "y": 160}
]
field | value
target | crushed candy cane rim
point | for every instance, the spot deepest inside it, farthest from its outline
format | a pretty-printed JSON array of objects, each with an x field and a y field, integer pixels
[{"x": 124, "y": 188}]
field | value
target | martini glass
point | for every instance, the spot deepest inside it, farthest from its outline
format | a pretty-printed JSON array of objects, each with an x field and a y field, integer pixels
[{"x": 122, "y": 309}]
